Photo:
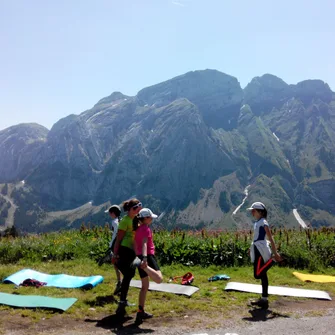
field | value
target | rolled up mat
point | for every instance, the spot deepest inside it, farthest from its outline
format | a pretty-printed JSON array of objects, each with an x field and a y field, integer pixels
[
  {"x": 61, "y": 280},
  {"x": 36, "y": 301},
  {"x": 219, "y": 277}
]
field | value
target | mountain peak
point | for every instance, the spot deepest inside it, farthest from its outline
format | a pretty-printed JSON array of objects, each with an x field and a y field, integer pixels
[
  {"x": 314, "y": 83},
  {"x": 265, "y": 92},
  {"x": 185, "y": 86},
  {"x": 308, "y": 90},
  {"x": 217, "y": 95},
  {"x": 269, "y": 80},
  {"x": 30, "y": 127},
  {"x": 115, "y": 96}
]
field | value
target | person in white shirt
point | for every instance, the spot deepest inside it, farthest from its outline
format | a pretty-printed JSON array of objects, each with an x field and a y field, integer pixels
[
  {"x": 115, "y": 212},
  {"x": 260, "y": 251}
]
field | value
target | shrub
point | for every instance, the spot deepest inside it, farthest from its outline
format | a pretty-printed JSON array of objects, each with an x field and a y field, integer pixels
[{"x": 311, "y": 249}]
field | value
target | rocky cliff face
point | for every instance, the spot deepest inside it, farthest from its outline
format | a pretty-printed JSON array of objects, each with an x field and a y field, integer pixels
[
  {"x": 189, "y": 146},
  {"x": 20, "y": 150}
]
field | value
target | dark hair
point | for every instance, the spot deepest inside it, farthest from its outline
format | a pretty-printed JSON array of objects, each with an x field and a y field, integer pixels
[
  {"x": 263, "y": 213},
  {"x": 136, "y": 222},
  {"x": 128, "y": 204},
  {"x": 115, "y": 209}
]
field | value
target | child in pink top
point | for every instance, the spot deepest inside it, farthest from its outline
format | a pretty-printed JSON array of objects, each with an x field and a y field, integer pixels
[
  {"x": 145, "y": 250},
  {"x": 144, "y": 232}
]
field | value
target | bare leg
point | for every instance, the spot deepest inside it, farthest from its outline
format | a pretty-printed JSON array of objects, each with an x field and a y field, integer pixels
[
  {"x": 156, "y": 276},
  {"x": 143, "y": 292}
]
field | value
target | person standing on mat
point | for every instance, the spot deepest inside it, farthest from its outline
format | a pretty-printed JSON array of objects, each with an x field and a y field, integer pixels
[
  {"x": 145, "y": 251},
  {"x": 114, "y": 212},
  {"x": 260, "y": 251},
  {"x": 124, "y": 255}
]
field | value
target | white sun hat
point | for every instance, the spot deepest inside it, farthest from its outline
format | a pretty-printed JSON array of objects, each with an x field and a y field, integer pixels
[
  {"x": 256, "y": 205},
  {"x": 147, "y": 213}
]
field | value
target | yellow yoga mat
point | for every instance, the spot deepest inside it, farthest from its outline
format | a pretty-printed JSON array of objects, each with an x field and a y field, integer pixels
[{"x": 315, "y": 278}]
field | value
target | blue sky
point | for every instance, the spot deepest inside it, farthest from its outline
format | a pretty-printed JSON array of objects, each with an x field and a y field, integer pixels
[{"x": 61, "y": 57}]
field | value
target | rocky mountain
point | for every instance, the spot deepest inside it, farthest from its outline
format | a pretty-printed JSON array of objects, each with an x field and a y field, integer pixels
[
  {"x": 196, "y": 147},
  {"x": 19, "y": 150}
]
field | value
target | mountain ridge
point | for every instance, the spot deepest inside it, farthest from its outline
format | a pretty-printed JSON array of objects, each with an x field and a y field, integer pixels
[{"x": 188, "y": 145}]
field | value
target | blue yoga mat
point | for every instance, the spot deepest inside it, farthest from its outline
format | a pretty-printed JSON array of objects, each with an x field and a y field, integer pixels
[{"x": 61, "y": 280}]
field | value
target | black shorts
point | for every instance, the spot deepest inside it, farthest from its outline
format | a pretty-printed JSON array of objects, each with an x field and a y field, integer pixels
[
  {"x": 151, "y": 262},
  {"x": 126, "y": 257},
  {"x": 113, "y": 243}
]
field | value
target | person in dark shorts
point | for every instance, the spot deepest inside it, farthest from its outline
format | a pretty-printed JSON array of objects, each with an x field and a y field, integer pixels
[
  {"x": 145, "y": 250},
  {"x": 260, "y": 251},
  {"x": 123, "y": 254},
  {"x": 114, "y": 212}
]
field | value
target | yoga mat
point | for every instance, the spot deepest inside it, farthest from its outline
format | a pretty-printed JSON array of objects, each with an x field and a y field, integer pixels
[
  {"x": 169, "y": 288},
  {"x": 36, "y": 301},
  {"x": 314, "y": 278},
  {"x": 61, "y": 280},
  {"x": 278, "y": 290}
]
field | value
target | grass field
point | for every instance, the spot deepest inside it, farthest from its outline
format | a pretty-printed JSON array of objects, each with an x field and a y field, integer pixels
[
  {"x": 203, "y": 253},
  {"x": 211, "y": 300}
]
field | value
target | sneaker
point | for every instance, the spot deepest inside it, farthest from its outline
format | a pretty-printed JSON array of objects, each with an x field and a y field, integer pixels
[
  {"x": 262, "y": 303},
  {"x": 117, "y": 288},
  {"x": 140, "y": 316},
  {"x": 136, "y": 263}
]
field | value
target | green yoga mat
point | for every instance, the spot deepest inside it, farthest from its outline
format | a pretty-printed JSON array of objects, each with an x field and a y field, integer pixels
[{"x": 36, "y": 301}]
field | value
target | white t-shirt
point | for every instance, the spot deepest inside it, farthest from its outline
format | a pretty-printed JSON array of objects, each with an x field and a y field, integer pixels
[
  {"x": 115, "y": 227},
  {"x": 259, "y": 230}
]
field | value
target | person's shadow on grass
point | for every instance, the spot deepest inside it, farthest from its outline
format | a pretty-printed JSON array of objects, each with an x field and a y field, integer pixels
[
  {"x": 132, "y": 329},
  {"x": 115, "y": 323},
  {"x": 102, "y": 301},
  {"x": 259, "y": 314}
]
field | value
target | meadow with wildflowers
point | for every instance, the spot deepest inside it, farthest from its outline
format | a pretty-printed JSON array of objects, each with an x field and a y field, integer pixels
[{"x": 312, "y": 249}]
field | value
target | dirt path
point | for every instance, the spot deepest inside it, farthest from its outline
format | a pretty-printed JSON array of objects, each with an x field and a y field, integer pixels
[
  {"x": 307, "y": 326},
  {"x": 287, "y": 317}
]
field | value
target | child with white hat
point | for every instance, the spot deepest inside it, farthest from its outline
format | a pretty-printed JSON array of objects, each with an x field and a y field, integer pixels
[{"x": 260, "y": 251}]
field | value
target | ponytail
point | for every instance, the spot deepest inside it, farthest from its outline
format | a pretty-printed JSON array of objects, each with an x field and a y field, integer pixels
[
  {"x": 125, "y": 206},
  {"x": 128, "y": 204},
  {"x": 136, "y": 223},
  {"x": 115, "y": 209},
  {"x": 263, "y": 213}
]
